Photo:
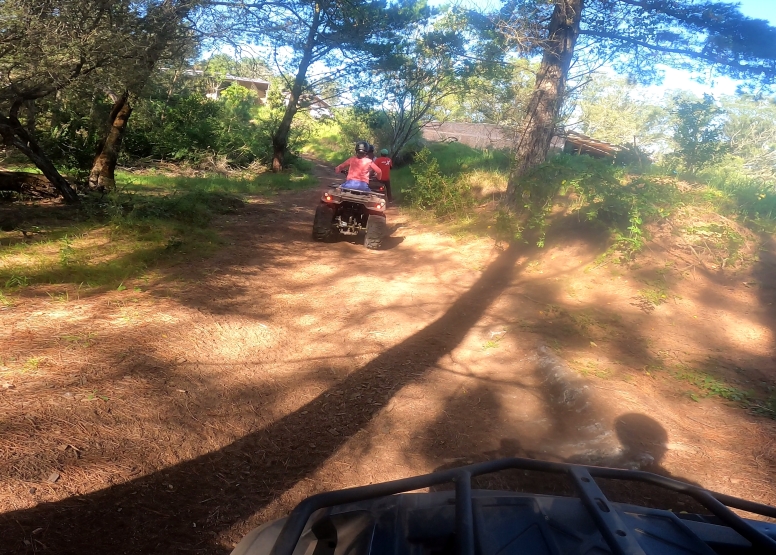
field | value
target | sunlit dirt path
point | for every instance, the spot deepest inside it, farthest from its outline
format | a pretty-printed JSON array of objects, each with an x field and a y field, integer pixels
[{"x": 181, "y": 412}]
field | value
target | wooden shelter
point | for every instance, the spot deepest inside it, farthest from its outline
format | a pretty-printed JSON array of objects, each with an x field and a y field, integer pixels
[{"x": 577, "y": 143}]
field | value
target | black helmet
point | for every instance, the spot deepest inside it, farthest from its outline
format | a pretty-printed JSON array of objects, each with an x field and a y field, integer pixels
[
  {"x": 362, "y": 146},
  {"x": 371, "y": 149}
]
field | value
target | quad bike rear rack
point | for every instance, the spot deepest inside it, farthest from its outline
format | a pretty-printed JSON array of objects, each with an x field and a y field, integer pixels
[{"x": 617, "y": 535}]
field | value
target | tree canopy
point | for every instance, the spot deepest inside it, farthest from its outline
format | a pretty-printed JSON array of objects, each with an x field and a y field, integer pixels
[
  {"x": 327, "y": 39},
  {"x": 637, "y": 37}
]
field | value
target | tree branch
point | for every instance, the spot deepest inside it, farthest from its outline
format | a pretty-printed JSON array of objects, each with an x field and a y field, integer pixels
[{"x": 693, "y": 54}]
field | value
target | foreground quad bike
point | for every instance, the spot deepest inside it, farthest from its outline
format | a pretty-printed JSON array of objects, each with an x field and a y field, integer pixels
[
  {"x": 383, "y": 520},
  {"x": 348, "y": 212}
]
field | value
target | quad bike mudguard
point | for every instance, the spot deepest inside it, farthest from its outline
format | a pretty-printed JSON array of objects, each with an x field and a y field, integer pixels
[{"x": 382, "y": 520}]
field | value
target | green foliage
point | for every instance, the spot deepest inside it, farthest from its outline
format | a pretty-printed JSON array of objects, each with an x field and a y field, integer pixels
[
  {"x": 182, "y": 129},
  {"x": 750, "y": 134},
  {"x": 740, "y": 192},
  {"x": 236, "y": 130},
  {"x": 608, "y": 112},
  {"x": 698, "y": 132},
  {"x": 454, "y": 158},
  {"x": 119, "y": 235},
  {"x": 499, "y": 97},
  {"x": 268, "y": 119},
  {"x": 435, "y": 192},
  {"x": 219, "y": 65},
  {"x": 601, "y": 191},
  {"x": 434, "y": 61},
  {"x": 69, "y": 128},
  {"x": 329, "y": 141},
  {"x": 263, "y": 183},
  {"x": 191, "y": 127},
  {"x": 364, "y": 123},
  {"x": 711, "y": 386}
]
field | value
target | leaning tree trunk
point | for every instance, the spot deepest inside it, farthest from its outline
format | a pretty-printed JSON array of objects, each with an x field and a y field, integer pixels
[
  {"x": 280, "y": 136},
  {"x": 103, "y": 171},
  {"x": 538, "y": 125},
  {"x": 15, "y": 135}
]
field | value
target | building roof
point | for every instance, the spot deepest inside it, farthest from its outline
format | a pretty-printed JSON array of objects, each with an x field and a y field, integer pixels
[
  {"x": 584, "y": 143},
  {"x": 227, "y": 77}
]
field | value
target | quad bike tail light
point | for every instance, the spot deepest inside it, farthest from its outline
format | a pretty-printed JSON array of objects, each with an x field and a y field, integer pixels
[{"x": 327, "y": 197}]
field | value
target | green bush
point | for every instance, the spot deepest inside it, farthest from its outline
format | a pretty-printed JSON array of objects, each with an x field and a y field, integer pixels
[
  {"x": 601, "y": 192},
  {"x": 433, "y": 191},
  {"x": 752, "y": 197},
  {"x": 191, "y": 127},
  {"x": 268, "y": 119},
  {"x": 185, "y": 128}
]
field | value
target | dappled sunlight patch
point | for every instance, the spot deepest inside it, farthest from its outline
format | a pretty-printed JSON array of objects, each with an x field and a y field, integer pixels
[
  {"x": 102, "y": 256},
  {"x": 54, "y": 314},
  {"x": 746, "y": 335},
  {"x": 487, "y": 184}
]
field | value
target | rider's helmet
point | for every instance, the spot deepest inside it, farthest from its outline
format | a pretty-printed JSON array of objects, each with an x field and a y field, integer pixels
[
  {"x": 384, "y": 152},
  {"x": 362, "y": 147}
]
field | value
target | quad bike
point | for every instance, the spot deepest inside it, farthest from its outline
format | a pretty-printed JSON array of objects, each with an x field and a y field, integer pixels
[
  {"x": 348, "y": 212},
  {"x": 382, "y": 519}
]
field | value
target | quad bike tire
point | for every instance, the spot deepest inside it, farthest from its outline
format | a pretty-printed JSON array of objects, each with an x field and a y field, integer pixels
[
  {"x": 322, "y": 224},
  {"x": 375, "y": 231}
]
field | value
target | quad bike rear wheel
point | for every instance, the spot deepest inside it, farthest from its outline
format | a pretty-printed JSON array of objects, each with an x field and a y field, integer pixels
[
  {"x": 322, "y": 224},
  {"x": 375, "y": 231}
]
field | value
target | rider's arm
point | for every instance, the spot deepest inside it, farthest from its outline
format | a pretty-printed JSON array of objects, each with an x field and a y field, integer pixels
[
  {"x": 378, "y": 171},
  {"x": 343, "y": 165}
]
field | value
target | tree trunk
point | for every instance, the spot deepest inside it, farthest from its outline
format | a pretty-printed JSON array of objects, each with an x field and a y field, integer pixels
[
  {"x": 103, "y": 171},
  {"x": 14, "y": 134},
  {"x": 280, "y": 136},
  {"x": 538, "y": 125}
]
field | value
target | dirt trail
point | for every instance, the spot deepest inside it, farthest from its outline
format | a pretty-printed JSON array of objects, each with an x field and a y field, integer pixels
[{"x": 215, "y": 395}]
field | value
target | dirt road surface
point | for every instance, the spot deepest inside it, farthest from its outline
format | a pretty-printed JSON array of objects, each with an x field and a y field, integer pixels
[{"x": 208, "y": 397}]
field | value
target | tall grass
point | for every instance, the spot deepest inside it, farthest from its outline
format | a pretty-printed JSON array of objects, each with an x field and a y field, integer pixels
[
  {"x": 263, "y": 183},
  {"x": 750, "y": 196},
  {"x": 459, "y": 169},
  {"x": 458, "y": 158},
  {"x": 328, "y": 143}
]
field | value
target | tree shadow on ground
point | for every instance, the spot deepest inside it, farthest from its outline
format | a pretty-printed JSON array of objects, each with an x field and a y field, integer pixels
[{"x": 187, "y": 506}]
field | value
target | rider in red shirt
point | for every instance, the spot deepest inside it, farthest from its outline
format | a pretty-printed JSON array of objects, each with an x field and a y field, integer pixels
[
  {"x": 385, "y": 164},
  {"x": 358, "y": 169}
]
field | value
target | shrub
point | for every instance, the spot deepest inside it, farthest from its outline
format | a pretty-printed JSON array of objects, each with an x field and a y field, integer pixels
[
  {"x": 601, "y": 192},
  {"x": 434, "y": 191},
  {"x": 752, "y": 197}
]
